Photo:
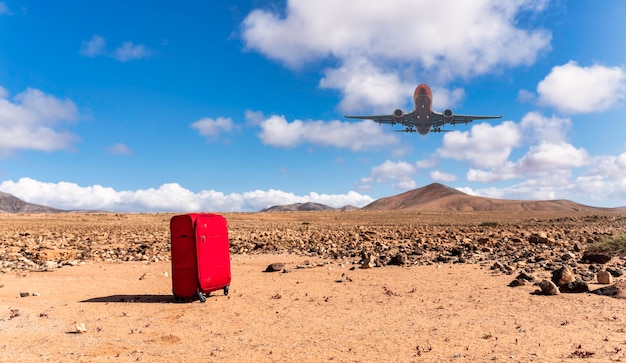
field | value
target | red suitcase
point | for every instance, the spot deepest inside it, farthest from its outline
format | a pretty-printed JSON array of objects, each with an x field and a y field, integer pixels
[{"x": 200, "y": 255}]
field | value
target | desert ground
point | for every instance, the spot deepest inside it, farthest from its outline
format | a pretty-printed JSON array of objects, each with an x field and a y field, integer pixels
[{"x": 356, "y": 286}]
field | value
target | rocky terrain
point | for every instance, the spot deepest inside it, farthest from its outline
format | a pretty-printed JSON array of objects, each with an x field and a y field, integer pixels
[
  {"x": 434, "y": 284},
  {"x": 513, "y": 242}
]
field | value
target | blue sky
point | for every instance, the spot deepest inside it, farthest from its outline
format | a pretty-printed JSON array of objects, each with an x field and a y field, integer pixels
[{"x": 237, "y": 106}]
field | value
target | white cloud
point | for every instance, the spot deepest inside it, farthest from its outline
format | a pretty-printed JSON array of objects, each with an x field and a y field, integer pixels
[
  {"x": 254, "y": 118},
  {"x": 93, "y": 47},
  {"x": 548, "y": 157},
  {"x": 357, "y": 136},
  {"x": 444, "y": 98},
  {"x": 417, "y": 39},
  {"x": 128, "y": 51},
  {"x": 571, "y": 88},
  {"x": 549, "y": 129},
  {"x": 526, "y": 96},
  {"x": 30, "y": 122},
  {"x": 591, "y": 188},
  {"x": 398, "y": 174},
  {"x": 213, "y": 128},
  {"x": 362, "y": 84},
  {"x": 545, "y": 159},
  {"x": 120, "y": 149},
  {"x": 438, "y": 175},
  {"x": 548, "y": 153},
  {"x": 169, "y": 197},
  {"x": 427, "y": 163},
  {"x": 484, "y": 145}
]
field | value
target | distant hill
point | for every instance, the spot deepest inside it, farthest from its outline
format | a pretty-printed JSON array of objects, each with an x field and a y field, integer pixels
[
  {"x": 438, "y": 197},
  {"x": 11, "y": 204},
  {"x": 298, "y": 207}
]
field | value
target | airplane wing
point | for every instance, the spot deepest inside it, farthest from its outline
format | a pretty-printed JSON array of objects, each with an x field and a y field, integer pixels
[
  {"x": 439, "y": 119},
  {"x": 387, "y": 119}
]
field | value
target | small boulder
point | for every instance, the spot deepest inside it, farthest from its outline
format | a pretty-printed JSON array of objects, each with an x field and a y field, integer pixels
[
  {"x": 517, "y": 282},
  {"x": 548, "y": 288},
  {"x": 80, "y": 328},
  {"x": 538, "y": 238},
  {"x": 563, "y": 276},
  {"x": 577, "y": 286},
  {"x": 617, "y": 290},
  {"x": 399, "y": 259},
  {"x": 275, "y": 267},
  {"x": 525, "y": 277},
  {"x": 595, "y": 257},
  {"x": 369, "y": 262},
  {"x": 616, "y": 272},
  {"x": 604, "y": 277}
]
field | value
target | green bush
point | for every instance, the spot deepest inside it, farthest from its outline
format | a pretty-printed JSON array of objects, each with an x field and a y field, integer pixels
[{"x": 614, "y": 246}]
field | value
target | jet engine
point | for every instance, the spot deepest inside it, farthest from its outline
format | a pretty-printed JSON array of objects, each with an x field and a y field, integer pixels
[
  {"x": 448, "y": 115},
  {"x": 398, "y": 115}
]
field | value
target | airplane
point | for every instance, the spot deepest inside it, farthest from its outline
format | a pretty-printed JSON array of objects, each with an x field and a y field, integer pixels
[{"x": 423, "y": 119}]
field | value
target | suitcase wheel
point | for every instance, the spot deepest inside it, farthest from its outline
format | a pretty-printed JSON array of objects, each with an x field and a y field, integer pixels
[
  {"x": 226, "y": 288},
  {"x": 201, "y": 296}
]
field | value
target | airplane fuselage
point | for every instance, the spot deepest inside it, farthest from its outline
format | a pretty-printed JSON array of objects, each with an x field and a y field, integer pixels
[{"x": 423, "y": 101}]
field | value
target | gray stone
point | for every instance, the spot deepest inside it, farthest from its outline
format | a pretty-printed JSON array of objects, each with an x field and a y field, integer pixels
[
  {"x": 525, "y": 276},
  {"x": 577, "y": 286},
  {"x": 617, "y": 290},
  {"x": 595, "y": 257},
  {"x": 399, "y": 259},
  {"x": 616, "y": 272},
  {"x": 275, "y": 267}
]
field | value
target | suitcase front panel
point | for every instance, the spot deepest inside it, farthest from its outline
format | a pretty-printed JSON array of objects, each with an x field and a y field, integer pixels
[{"x": 213, "y": 252}]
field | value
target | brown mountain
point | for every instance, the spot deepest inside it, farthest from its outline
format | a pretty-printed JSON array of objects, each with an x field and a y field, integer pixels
[
  {"x": 437, "y": 197},
  {"x": 298, "y": 207},
  {"x": 11, "y": 204}
]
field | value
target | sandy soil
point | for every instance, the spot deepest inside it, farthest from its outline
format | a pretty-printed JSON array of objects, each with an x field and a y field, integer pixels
[{"x": 436, "y": 313}]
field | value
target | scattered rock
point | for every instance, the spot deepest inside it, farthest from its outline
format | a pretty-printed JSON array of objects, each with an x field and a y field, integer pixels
[
  {"x": 577, "y": 286},
  {"x": 80, "y": 328},
  {"x": 524, "y": 276},
  {"x": 595, "y": 257},
  {"x": 399, "y": 259},
  {"x": 548, "y": 288},
  {"x": 24, "y": 294},
  {"x": 369, "y": 262},
  {"x": 517, "y": 282},
  {"x": 563, "y": 276},
  {"x": 616, "y": 272},
  {"x": 538, "y": 238},
  {"x": 604, "y": 277},
  {"x": 617, "y": 290},
  {"x": 50, "y": 265},
  {"x": 344, "y": 278},
  {"x": 275, "y": 267},
  {"x": 502, "y": 267}
]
